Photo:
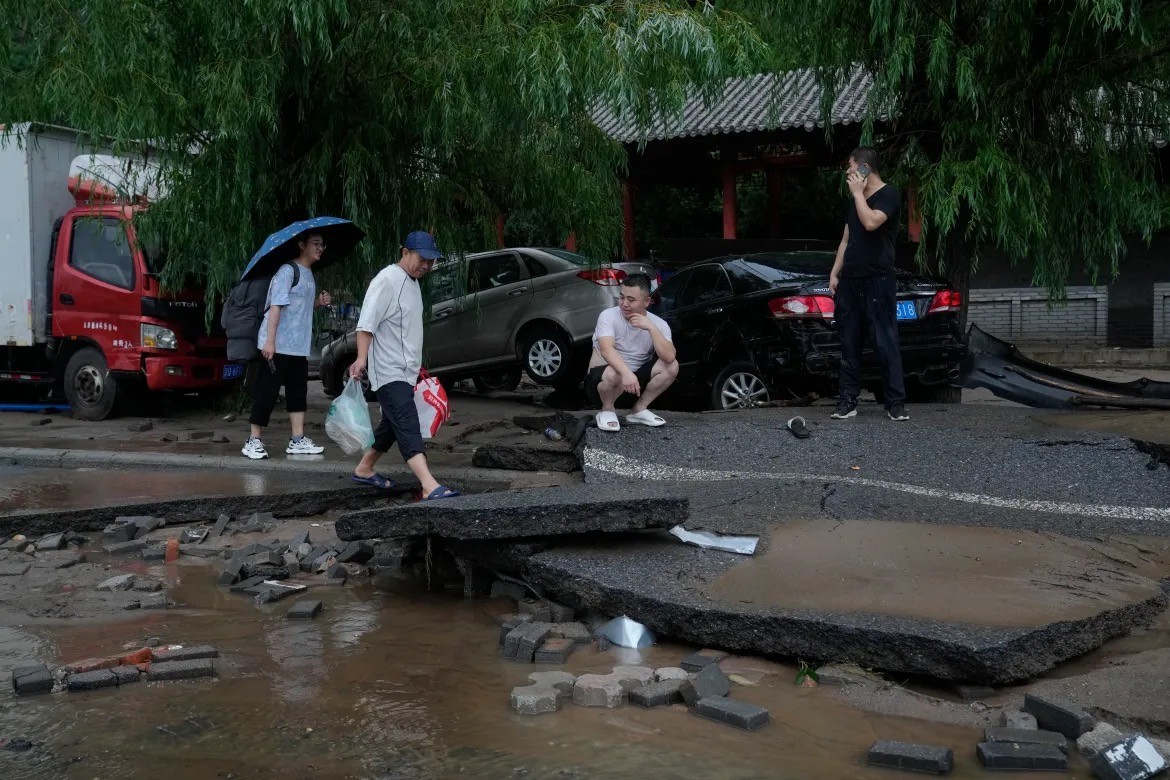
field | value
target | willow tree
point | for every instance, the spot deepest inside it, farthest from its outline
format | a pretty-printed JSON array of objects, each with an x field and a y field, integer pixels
[
  {"x": 1027, "y": 126},
  {"x": 398, "y": 114}
]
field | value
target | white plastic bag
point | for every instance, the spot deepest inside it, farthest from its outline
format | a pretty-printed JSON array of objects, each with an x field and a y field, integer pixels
[
  {"x": 430, "y": 400},
  {"x": 348, "y": 421}
]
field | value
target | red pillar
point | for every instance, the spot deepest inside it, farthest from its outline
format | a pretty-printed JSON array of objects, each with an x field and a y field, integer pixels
[
  {"x": 913, "y": 216},
  {"x": 571, "y": 242},
  {"x": 628, "y": 220},
  {"x": 729, "y": 215},
  {"x": 500, "y": 220},
  {"x": 774, "y": 184}
]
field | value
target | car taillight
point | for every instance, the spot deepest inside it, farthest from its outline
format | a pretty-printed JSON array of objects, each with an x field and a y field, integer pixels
[
  {"x": 803, "y": 306},
  {"x": 945, "y": 300},
  {"x": 606, "y": 277}
]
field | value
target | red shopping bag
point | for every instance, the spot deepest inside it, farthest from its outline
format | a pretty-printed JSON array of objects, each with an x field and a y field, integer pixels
[{"x": 430, "y": 399}]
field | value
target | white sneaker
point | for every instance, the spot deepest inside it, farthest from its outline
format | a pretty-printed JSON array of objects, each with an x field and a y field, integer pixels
[
  {"x": 254, "y": 449},
  {"x": 304, "y": 447}
]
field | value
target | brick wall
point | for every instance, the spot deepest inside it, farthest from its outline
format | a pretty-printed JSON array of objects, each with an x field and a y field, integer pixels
[
  {"x": 1162, "y": 314},
  {"x": 1022, "y": 315}
]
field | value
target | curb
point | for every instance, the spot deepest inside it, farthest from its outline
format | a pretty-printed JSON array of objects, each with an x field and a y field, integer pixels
[{"x": 71, "y": 459}]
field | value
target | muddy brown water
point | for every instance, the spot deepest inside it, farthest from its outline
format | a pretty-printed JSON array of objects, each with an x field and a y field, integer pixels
[
  {"x": 402, "y": 683},
  {"x": 51, "y": 488}
]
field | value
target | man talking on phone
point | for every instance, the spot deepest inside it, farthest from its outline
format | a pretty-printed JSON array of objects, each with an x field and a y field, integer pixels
[{"x": 865, "y": 285}]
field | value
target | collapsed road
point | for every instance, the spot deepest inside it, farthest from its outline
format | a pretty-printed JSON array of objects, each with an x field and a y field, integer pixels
[{"x": 983, "y": 546}]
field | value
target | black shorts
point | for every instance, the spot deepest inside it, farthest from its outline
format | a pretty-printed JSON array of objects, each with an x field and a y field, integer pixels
[
  {"x": 292, "y": 373},
  {"x": 399, "y": 421},
  {"x": 593, "y": 379}
]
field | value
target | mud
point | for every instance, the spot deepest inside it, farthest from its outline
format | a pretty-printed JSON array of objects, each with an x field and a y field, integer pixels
[
  {"x": 404, "y": 683},
  {"x": 979, "y": 576}
]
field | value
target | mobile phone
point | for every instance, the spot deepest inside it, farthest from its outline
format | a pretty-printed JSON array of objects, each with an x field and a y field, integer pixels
[
  {"x": 863, "y": 170},
  {"x": 272, "y": 365}
]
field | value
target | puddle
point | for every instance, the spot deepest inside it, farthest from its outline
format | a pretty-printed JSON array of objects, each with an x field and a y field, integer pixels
[
  {"x": 50, "y": 488},
  {"x": 402, "y": 684}
]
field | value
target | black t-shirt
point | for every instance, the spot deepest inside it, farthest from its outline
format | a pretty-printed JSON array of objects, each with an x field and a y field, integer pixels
[{"x": 871, "y": 253}]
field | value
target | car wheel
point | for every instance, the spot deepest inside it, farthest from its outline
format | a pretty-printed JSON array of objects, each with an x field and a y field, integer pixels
[
  {"x": 547, "y": 356},
  {"x": 498, "y": 381},
  {"x": 90, "y": 388},
  {"x": 739, "y": 386}
]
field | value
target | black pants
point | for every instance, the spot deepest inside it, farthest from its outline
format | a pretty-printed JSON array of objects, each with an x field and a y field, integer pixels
[
  {"x": 399, "y": 421},
  {"x": 293, "y": 374},
  {"x": 871, "y": 304}
]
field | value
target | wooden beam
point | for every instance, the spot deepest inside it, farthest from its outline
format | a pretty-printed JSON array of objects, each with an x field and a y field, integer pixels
[
  {"x": 775, "y": 182},
  {"x": 913, "y": 216}
]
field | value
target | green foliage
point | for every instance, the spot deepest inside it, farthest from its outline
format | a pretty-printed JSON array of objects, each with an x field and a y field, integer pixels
[
  {"x": 398, "y": 114},
  {"x": 1026, "y": 126}
]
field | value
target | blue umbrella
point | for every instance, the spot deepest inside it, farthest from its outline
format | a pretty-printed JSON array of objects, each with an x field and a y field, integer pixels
[{"x": 340, "y": 236}]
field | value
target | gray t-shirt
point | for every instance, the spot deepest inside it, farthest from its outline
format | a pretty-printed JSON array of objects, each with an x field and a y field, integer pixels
[
  {"x": 634, "y": 345},
  {"x": 294, "y": 331},
  {"x": 393, "y": 312}
]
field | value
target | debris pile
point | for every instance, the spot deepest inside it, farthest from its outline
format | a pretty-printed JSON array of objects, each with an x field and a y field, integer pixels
[{"x": 158, "y": 664}]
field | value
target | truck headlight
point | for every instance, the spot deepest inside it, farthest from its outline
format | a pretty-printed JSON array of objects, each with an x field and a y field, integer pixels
[{"x": 155, "y": 337}]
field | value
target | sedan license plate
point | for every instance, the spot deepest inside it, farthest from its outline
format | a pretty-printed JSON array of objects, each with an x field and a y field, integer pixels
[
  {"x": 907, "y": 310},
  {"x": 233, "y": 371}
]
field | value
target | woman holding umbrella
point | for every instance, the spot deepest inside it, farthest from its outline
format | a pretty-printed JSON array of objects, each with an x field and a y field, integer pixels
[{"x": 285, "y": 335}]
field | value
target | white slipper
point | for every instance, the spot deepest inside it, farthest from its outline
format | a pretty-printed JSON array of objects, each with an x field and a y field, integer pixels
[
  {"x": 607, "y": 421},
  {"x": 645, "y": 417}
]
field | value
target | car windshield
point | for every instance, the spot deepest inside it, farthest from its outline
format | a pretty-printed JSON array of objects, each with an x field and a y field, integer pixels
[
  {"x": 779, "y": 267},
  {"x": 156, "y": 258}
]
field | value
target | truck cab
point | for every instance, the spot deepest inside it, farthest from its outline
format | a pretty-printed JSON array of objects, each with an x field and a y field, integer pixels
[{"x": 98, "y": 326}]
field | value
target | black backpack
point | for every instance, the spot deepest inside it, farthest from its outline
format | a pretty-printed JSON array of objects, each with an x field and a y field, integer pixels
[{"x": 243, "y": 311}]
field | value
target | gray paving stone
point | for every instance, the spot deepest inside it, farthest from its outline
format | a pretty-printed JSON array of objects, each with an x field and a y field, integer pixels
[
  {"x": 35, "y": 678},
  {"x": 119, "y": 532},
  {"x": 356, "y": 552},
  {"x": 670, "y": 673},
  {"x": 710, "y": 681},
  {"x": 508, "y": 622},
  {"x": 610, "y": 690},
  {"x": 1102, "y": 735},
  {"x": 533, "y": 637},
  {"x": 155, "y": 552},
  {"x": 696, "y": 662},
  {"x": 578, "y": 633},
  {"x": 120, "y": 582},
  {"x": 913, "y": 758},
  {"x": 90, "y": 681},
  {"x": 657, "y": 694},
  {"x": 1027, "y": 737},
  {"x": 181, "y": 670},
  {"x": 154, "y": 601},
  {"x": 51, "y": 542},
  {"x": 545, "y": 694},
  {"x": 14, "y": 568},
  {"x": 1013, "y": 755},
  {"x": 1017, "y": 719},
  {"x": 126, "y": 674},
  {"x": 1059, "y": 716},
  {"x": 554, "y": 651},
  {"x": 217, "y": 529},
  {"x": 304, "y": 610},
  {"x": 740, "y": 714},
  {"x": 184, "y": 653}
]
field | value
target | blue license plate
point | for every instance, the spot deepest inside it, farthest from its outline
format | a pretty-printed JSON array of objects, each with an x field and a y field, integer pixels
[
  {"x": 235, "y": 370},
  {"x": 907, "y": 310}
]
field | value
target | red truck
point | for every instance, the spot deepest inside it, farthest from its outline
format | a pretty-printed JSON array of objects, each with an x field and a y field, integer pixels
[{"x": 81, "y": 308}]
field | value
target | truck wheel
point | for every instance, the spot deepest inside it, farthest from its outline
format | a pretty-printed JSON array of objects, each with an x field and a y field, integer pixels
[{"x": 90, "y": 388}]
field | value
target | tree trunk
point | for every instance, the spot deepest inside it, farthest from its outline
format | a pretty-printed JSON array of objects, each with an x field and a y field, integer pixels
[{"x": 958, "y": 257}]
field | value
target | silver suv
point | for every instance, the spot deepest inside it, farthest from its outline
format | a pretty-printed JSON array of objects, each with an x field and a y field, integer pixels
[{"x": 495, "y": 314}]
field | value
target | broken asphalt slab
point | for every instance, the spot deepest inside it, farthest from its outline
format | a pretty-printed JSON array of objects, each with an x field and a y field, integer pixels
[
  {"x": 544, "y": 512},
  {"x": 772, "y": 605}
]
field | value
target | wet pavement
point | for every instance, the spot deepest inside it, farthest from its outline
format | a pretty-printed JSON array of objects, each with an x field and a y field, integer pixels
[
  {"x": 403, "y": 684},
  {"x": 24, "y": 488}
]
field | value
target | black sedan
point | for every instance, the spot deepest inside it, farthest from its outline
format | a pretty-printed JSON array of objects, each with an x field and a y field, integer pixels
[{"x": 752, "y": 328}]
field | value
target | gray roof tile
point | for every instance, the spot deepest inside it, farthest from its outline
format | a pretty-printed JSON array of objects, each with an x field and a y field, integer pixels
[{"x": 766, "y": 101}]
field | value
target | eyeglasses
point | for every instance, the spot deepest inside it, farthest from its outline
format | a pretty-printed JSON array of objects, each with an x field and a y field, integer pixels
[{"x": 320, "y": 244}]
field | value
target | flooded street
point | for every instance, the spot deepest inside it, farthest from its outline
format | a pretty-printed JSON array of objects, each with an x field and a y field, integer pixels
[{"x": 402, "y": 684}]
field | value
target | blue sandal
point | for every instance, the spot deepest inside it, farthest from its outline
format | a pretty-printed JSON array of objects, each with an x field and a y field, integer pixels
[
  {"x": 442, "y": 491},
  {"x": 378, "y": 481}
]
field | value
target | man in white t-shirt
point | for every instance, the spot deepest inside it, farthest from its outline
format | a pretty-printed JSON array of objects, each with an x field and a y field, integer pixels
[
  {"x": 632, "y": 354},
  {"x": 390, "y": 344}
]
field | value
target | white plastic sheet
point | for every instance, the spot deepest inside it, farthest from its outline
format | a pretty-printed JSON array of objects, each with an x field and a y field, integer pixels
[
  {"x": 744, "y": 545},
  {"x": 624, "y": 632}
]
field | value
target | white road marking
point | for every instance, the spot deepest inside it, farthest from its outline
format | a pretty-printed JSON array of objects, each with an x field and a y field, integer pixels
[{"x": 620, "y": 465}]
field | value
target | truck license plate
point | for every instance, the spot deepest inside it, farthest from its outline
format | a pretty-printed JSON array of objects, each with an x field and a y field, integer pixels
[{"x": 233, "y": 371}]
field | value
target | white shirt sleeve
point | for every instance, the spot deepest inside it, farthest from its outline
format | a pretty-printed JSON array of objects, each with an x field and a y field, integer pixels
[
  {"x": 605, "y": 325},
  {"x": 375, "y": 306},
  {"x": 663, "y": 328}
]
